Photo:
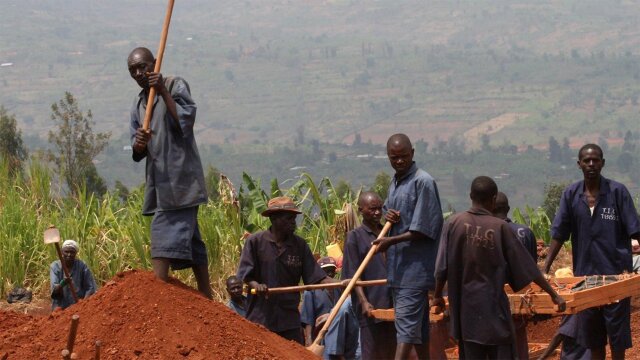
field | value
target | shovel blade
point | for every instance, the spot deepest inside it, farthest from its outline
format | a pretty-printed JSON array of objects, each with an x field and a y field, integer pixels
[{"x": 51, "y": 235}]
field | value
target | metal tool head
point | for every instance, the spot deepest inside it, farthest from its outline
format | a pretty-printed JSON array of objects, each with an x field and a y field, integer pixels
[{"x": 51, "y": 235}]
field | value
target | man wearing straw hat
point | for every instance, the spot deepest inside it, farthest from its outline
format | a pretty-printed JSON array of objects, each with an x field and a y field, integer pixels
[
  {"x": 174, "y": 186},
  {"x": 79, "y": 272},
  {"x": 277, "y": 257}
]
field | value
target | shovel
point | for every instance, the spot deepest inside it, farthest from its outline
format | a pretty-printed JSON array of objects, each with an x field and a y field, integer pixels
[
  {"x": 318, "y": 349},
  {"x": 52, "y": 236}
]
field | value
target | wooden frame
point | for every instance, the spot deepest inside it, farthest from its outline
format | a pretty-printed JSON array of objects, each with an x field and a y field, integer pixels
[{"x": 532, "y": 300}]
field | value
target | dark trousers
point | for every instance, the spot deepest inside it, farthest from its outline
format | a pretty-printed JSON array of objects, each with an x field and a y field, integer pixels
[
  {"x": 378, "y": 341},
  {"x": 474, "y": 351},
  {"x": 522, "y": 344},
  {"x": 292, "y": 334}
]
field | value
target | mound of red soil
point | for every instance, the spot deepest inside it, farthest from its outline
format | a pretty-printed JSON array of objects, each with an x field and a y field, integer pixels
[
  {"x": 136, "y": 316},
  {"x": 10, "y": 320}
]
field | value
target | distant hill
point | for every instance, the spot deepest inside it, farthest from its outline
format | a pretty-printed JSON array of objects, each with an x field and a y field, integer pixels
[{"x": 508, "y": 73}]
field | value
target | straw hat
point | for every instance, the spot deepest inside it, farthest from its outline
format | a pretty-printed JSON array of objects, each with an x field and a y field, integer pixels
[{"x": 281, "y": 203}]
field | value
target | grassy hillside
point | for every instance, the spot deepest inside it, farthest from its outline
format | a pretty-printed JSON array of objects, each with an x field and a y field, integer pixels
[{"x": 268, "y": 75}]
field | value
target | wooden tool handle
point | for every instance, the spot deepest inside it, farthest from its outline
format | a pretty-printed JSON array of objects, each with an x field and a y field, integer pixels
[
  {"x": 71, "y": 340},
  {"x": 67, "y": 276},
  {"x": 290, "y": 289},
  {"x": 347, "y": 290},
  {"x": 159, "y": 55}
]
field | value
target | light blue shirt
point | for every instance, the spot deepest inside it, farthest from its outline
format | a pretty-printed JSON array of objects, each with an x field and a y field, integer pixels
[
  {"x": 343, "y": 335},
  {"x": 411, "y": 264},
  {"x": 174, "y": 175},
  {"x": 82, "y": 280}
]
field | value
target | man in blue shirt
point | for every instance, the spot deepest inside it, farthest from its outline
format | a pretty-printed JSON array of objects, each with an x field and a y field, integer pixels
[
  {"x": 413, "y": 205},
  {"x": 377, "y": 337},
  {"x": 341, "y": 340},
  {"x": 81, "y": 276},
  {"x": 599, "y": 216},
  {"x": 528, "y": 239},
  {"x": 237, "y": 301},
  {"x": 318, "y": 302},
  {"x": 278, "y": 257},
  {"x": 174, "y": 186}
]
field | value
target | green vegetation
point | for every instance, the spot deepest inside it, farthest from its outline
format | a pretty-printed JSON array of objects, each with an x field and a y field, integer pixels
[
  {"x": 76, "y": 146},
  {"x": 114, "y": 236}
]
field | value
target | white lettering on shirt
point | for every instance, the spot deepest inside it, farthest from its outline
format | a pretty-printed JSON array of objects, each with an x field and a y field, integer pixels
[
  {"x": 480, "y": 238},
  {"x": 293, "y": 261},
  {"x": 609, "y": 214}
]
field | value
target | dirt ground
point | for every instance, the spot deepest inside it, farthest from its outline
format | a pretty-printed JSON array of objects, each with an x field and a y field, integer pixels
[
  {"x": 543, "y": 330},
  {"x": 136, "y": 316},
  {"x": 130, "y": 318}
]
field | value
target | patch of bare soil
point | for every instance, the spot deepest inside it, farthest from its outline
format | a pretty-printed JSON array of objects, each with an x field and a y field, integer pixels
[{"x": 136, "y": 316}]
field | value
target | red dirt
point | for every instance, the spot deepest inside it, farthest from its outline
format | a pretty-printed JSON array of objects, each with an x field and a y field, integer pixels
[
  {"x": 542, "y": 331},
  {"x": 136, "y": 316}
]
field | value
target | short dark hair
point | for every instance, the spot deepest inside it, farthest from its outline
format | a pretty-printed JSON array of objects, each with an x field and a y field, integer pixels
[
  {"x": 366, "y": 194},
  {"x": 502, "y": 203},
  {"x": 231, "y": 279},
  {"x": 483, "y": 189},
  {"x": 142, "y": 50},
  {"x": 592, "y": 147},
  {"x": 401, "y": 139}
]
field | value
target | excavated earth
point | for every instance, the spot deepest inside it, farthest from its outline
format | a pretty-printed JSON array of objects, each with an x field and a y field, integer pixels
[{"x": 135, "y": 316}]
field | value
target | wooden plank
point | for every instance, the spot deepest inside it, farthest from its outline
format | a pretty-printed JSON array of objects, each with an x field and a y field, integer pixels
[
  {"x": 535, "y": 350},
  {"x": 389, "y": 315}
]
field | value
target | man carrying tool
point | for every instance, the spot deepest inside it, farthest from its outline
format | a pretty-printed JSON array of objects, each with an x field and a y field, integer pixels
[
  {"x": 413, "y": 206},
  {"x": 528, "y": 239},
  {"x": 377, "y": 337},
  {"x": 599, "y": 216},
  {"x": 318, "y": 302},
  {"x": 277, "y": 257},
  {"x": 80, "y": 274},
  {"x": 478, "y": 255},
  {"x": 174, "y": 186}
]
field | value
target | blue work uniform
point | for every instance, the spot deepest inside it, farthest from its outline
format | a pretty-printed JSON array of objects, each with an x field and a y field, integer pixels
[
  {"x": 600, "y": 245},
  {"x": 262, "y": 260},
  {"x": 240, "y": 309},
  {"x": 526, "y": 237},
  {"x": 410, "y": 264},
  {"x": 571, "y": 350},
  {"x": 342, "y": 337},
  {"x": 316, "y": 303},
  {"x": 174, "y": 180},
  {"x": 377, "y": 337},
  {"x": 83, "y": 282},
  {"x": 478, "y": 254}
]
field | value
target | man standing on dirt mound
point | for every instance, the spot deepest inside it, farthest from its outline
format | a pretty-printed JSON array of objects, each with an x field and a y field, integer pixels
[
  {"x": 277, "y": 257},
  {"x": 599, "y": 216},
  {"x": 174, "y": 186},
  {"x": 413, "y": 205}
]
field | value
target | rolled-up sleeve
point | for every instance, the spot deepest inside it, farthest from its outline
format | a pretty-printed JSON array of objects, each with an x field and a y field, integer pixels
[
  {"x": 89, "y": 283},
  {"x": 561, "y": 227},
  {"x": 246, "y": 267},
  {"x": 185, "y": 107},
  {"x": 427, "y": 217}
]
